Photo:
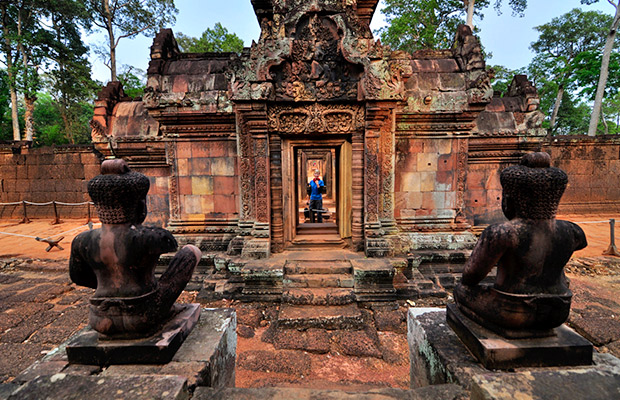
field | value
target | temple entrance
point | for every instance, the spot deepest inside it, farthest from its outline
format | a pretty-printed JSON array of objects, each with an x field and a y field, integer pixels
[{"x": 333, "y": 159}]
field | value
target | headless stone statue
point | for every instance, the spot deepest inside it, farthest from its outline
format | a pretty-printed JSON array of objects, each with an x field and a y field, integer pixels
[
  {"x": 118, "y": 260},
  {"x": 530, "y": 295}
]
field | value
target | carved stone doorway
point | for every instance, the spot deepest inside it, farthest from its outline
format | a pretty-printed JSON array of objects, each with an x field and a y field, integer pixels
[{"x": 333, "y": 157}]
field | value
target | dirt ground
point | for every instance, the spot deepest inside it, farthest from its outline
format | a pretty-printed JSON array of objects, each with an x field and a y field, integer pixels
[{"x": 40, "y": 308}]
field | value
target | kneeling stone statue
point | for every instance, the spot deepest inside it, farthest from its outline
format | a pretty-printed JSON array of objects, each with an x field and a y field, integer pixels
[
  {"x": 530, "y": 295},
  {"x": 119, "y": 259}
]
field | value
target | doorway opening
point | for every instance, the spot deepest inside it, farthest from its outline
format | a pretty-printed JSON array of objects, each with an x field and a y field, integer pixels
[{"x": 332, "y": 158}]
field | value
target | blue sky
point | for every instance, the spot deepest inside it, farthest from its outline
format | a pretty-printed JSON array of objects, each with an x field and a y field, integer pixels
[{"x": 508, "y": 38}]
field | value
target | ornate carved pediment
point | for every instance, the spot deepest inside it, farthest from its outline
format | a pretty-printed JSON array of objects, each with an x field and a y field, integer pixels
[{"x": 316, "y": 118}]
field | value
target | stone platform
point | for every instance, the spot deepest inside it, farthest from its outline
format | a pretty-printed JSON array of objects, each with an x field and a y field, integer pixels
[
  {"x": 438, "y": 356},
  {"x": 86, "y": 347},
  {"x": 206, "y": 358},
  {"x": 565, "y": 348}
]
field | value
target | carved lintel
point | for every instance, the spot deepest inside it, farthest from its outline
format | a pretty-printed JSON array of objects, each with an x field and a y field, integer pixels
[{"x": 316, "y": 118}]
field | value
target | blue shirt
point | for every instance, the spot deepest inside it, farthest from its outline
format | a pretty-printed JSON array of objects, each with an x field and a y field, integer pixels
[{"x": 315, "y": 194}]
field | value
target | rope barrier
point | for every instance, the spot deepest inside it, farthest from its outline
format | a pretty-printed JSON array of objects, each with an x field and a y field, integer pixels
[
  {"x": 49, "y": 240},
  {"x": 45, "y": 204}
]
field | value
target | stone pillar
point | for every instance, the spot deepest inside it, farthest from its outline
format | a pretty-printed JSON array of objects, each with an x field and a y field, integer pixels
[
  {"x": 253, "y": 240},
  {"x": 378, "y": 203}
]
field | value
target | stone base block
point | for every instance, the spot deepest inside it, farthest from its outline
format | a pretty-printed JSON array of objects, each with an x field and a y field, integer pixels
[
  {"x": 87, "y": 347},
  {"x": 206, "y": 358},
  {"x": 68, "y": 387},
  {"x": 565, "y": 348},
  {"x": 438, "y": 356}
]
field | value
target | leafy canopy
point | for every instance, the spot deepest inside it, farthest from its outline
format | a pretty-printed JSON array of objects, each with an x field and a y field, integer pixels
[{"x": 217, "y": 40}]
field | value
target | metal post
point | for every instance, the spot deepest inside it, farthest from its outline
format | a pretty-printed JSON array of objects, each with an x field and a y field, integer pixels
[
  {"x": 612, "y": 250},
  {"x": 25, "y": 220},
  {"x": 56, "y": 216}
]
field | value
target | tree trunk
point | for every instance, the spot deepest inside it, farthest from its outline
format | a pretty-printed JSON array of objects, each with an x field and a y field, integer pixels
[
  {"x": 604, "y": 122},
  {"x": 11, "y": 74},
  {"x": 29, "y": 116},
  {"x": 110, "y": 29},
  {"x": 470, "y": 13},
  {"x": 602, "y": 81},
  {"x": 556, "y": 107}
]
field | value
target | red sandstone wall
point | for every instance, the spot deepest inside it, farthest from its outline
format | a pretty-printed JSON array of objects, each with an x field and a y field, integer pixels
[
  {"x": 208, "y": 179},
  {"x": 46, "y": 174},
  {"x": 593, "y": 168}
]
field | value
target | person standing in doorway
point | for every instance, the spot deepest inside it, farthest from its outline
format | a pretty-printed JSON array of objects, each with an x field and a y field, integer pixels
[{"x": 317, "y": 187}]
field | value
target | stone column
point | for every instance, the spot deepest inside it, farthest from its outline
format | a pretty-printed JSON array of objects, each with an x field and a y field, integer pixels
[{"x": 253, "y": 147}]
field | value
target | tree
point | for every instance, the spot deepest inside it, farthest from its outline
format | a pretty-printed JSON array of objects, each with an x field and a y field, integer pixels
[
  {"x": 431, "y": 24},
  {"x": 212, "y": 40},
  {"x": 133, "y": 80},
  {"x": 501, "y": 77},
  {"x": 68, "y": 78},
  {"x": 609, "y": 44},
  {"x": 11, "y": 58},
  {"x": 518, "y": 8},
  {"x": 560, "y": 42},
  {"x": 122, "y": 19}
]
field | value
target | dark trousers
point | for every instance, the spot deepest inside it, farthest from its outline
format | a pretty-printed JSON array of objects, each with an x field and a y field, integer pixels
[{"x": 316, "y": 205}]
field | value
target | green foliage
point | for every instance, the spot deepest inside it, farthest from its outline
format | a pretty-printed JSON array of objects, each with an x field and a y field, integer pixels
[
  {"x": 573, "y": 117},
  {"x": 217, "y": 40},
  {"x": 133, "y": 80},
  {"x": 5, "y": 108},
  {"x": 502, "y": 77},
  {"x": 122, "y": 19},
  {"x": 431, "y": 24},
  {"x": 587, "y": 67},
  {"x": 50, "y": 125}
]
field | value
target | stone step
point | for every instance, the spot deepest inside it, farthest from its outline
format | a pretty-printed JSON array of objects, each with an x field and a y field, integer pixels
[
  {"x": 310, "y": 228},
  {"x": 318, "y": 267},
  {"x": 318, "y": 296},
  {"x": 324, "y": 238},
  {"x": 318, "y": 281},
  {"x": 326, "y": 317}
]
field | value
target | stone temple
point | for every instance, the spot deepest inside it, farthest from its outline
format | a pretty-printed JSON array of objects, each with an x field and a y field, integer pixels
[{"x": 410, "y": 145}]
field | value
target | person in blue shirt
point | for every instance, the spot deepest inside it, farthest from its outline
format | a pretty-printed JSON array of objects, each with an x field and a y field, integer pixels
[{"x": 316, "y": 197}]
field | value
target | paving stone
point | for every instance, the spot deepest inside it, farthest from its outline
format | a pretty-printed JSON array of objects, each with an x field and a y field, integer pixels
[
  {"x": 39, "y": 368},
  {"x": 310, "y": 340},
  {"x": 50, "y": 292},
  {"x": 73, "y": 387},
  {"x": 245, "y": 331},
  {"x": 288, "y": 362},
  {"x": 249, "y": 316},
  {"x": 363, "y": 343},
  {"x": 9, "y": 320},
  {"x": 394, "y": 321},
  {"x": 17, "y": 356},
  {"x": 7, "y": 279},
  {"x": 6, "y": 389},
  {"x": 70, "y": 321},
  {"x": 326, "y": 317},
  {"x": 596, "y": 324},
  {"x": 28, "y": 326}
]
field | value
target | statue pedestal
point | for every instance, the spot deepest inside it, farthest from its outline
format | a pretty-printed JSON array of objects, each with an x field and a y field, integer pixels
[
  {"x": 206, "y": 358},
  {"x": 86, "y": 347},
  {"x": 565, "y": 348},
  {"x": 437, "y": 356}
]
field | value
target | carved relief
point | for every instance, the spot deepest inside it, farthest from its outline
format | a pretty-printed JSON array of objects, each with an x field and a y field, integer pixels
[
  {"x": 371, "y": 184},
  {"x": 173, "y": 182},
  {"x": 461, "y": 171},
  {"x": 316, "y": 118},
  {"x": 261, "y": 180}
]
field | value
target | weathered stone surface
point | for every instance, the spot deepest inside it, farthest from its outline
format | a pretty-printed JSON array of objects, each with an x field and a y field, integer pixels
[
  {"x": 594, "y": 323},
  {"x": 17, "y": 356},
  {"x": 565, "y": 348},
  {"x": 443, "y": 392},
  {"x": 245, "y": 331},
  {"x": 362, "y": 343},
  {"x": 586, "y": 383},
  {"x": 289, "y": 362},
  {"x": 6, "y": 389},
  {"x": 438, "y": 356},
  {"x": 68, "y": 387},
  {"x": 395, "y": 321},
  {"x": 326, "y": 317},
  {"x": 310, "y": 340},
  {"x": 87, "y": 348}
]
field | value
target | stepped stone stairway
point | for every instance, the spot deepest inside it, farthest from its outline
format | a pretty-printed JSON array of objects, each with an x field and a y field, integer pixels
[
  {"x": 312, "y": 236},
  {"x": 319, "y": 294}
]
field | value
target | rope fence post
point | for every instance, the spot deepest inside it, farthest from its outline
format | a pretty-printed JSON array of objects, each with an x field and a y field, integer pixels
[
  {"x": 89, "y": 220},
  {"x": 25, "y": 220},
  {"x": 612, "y": 250},
  {"x": 56, "y": 220}
]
